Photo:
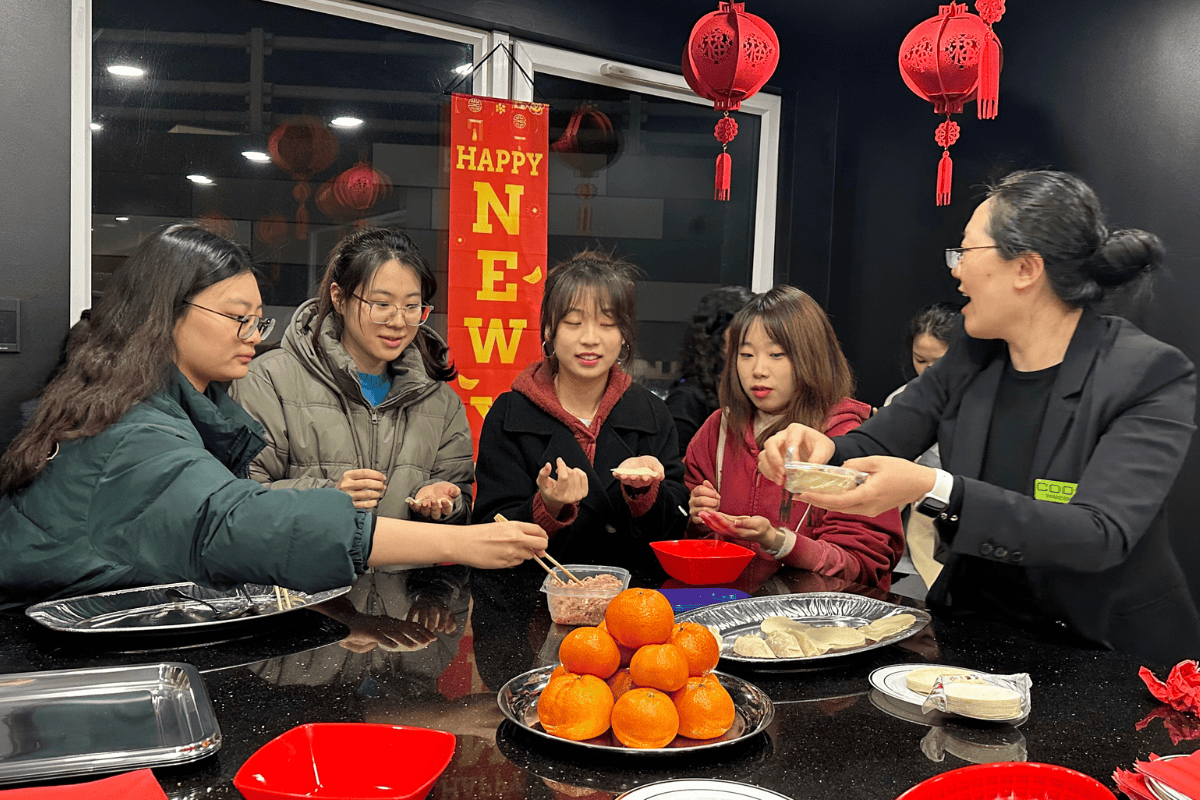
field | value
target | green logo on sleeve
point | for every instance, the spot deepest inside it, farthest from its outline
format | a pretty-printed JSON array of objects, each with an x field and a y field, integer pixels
[{"x": 1053, "y": 491}]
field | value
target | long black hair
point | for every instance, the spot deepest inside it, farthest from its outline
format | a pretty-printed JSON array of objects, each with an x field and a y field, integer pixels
[
  {"x": 354, "y": 261},
  {"x": 128, "y": 350},
  {"x": 702, "y": 354}
]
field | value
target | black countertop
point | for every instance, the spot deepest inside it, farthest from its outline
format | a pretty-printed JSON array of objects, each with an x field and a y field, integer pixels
[{"x": 830, "y": 737}]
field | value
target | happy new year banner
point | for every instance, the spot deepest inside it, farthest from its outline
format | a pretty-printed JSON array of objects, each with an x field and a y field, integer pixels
[{"x": 497, "y": 256}]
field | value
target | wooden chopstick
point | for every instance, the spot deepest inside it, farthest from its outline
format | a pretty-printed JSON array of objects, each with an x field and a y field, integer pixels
[{"x": 542, "y": 564}]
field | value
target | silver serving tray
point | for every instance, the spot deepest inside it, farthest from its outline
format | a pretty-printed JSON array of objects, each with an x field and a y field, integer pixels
[
  {"x": 152, "y": 610},
  {"x": 743, "y": 618},
  {"x": 87, "y": 721},
  {"x": 754, "y": 712}
]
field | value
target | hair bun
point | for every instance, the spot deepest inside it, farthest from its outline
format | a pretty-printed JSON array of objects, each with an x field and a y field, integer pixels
[{"x": 1126, "y": 256}]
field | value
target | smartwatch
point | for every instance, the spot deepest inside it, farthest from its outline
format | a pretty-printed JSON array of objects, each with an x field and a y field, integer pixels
[{"x": 937, "y": 500}]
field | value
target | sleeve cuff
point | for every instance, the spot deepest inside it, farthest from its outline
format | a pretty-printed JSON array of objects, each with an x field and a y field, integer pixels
[
  {"x": 947, "y": 522},
  {"x": 364, "y": 540},
  {"x": 640, "y": 504},
  {"x": 789, "y": 544},
  {"x": 548, "y": 523}
]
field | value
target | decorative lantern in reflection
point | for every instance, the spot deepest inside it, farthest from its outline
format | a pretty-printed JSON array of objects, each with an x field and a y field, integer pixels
[
  {"x": 589, "y": 143},
  {"x": 950, "y": 60},
  {"x": 330, "y": 206},
  {"x": 219, "y": 224},
  {"x": 271, "y": 229},
  {"x": 303, "y": 146},
  {"x": 729, "y": 56},
  {"x": 361, "y": 187}
]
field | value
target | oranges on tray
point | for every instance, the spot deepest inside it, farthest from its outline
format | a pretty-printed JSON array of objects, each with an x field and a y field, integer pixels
[{"x": 640, "y": 674}]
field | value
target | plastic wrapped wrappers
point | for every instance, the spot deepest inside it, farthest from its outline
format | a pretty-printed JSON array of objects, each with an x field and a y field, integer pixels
[{"x": 1000, "y": 698}]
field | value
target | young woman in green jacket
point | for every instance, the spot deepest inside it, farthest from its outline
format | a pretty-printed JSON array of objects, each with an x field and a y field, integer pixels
[{"x": 133, "y": 469}]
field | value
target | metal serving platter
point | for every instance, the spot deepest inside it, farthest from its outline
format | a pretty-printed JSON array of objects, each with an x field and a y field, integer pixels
[
  {"x": 156, "y": 610},
  {"x": 89, "y": 721},
  {"x": 743, "y": 618},
  {"x": 754, "y": 712}
]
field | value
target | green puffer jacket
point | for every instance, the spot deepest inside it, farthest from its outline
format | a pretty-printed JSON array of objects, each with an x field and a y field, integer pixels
[
  {"x": 319, "y": 425},
  {"x": 161, "y": 496}
]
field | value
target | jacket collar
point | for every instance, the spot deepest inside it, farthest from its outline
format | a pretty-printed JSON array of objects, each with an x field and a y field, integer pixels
[
  {"x": 230, "y": 434},
  {"x": 632, "y": 411}
]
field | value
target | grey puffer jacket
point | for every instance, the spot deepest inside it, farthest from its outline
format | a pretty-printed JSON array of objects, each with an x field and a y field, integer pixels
[{"x": 319, "y": 425}]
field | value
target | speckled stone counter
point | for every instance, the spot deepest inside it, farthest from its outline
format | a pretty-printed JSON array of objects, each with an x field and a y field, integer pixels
[{"x": 830, "y": 737}]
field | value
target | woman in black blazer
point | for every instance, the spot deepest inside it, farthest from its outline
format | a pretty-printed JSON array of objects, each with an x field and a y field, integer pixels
[{"x": 1061, "y": 431}]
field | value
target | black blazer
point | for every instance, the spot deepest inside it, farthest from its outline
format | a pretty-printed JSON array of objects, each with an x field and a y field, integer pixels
[
  {"x": 1118, "y": 425},
  {"x": 518, "y": 438}
]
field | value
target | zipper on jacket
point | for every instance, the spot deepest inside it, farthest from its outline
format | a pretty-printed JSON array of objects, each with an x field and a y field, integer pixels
[{"x": 374, "y": 435}]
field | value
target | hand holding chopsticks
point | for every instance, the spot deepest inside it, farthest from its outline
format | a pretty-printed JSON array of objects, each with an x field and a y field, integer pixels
[{"x": 542, "y": 564}]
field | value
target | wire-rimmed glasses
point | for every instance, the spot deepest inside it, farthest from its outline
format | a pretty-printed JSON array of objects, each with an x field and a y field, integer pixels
[
  {"x": 955, "y": 254},
  {"x": 413, "y": 314},
  {"x": 247, "y": 325}
]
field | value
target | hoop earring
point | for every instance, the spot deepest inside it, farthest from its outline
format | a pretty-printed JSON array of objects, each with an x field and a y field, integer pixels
[
  {"x": 627, "y": 350},
  {"x": 549, "y": 355}
]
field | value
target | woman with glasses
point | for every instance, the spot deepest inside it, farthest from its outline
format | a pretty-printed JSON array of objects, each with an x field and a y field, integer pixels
[
  {"x": 1061, "y": 431},
  {"x": 133, "y": 470},
  {"x": 356, "y": 396}
]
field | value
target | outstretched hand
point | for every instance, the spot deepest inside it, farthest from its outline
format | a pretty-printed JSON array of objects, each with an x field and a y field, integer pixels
[
  {"x": 435, "y": 500},
  {"x": 640, "y": 472},
  {"x": 891, "y": 483},
  {"x": 805, "y": 443}
]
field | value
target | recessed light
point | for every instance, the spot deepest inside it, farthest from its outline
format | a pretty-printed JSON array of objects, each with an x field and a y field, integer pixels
[
  {"x": 203, "y": 180},
  {"x": 96, "y": 126},
  {"x": 126, "y": 71},
  {"x": 463, "y": 69},
  {"x": 346, "y": 122},
  {"x": 256, "y": 155},
  {"x": 121, "y": 219}
]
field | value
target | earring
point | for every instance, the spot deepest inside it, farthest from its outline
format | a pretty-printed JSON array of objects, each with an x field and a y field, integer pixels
[
  {"x": 627, "y": 350},
  {"x": 548, "y": 355}
]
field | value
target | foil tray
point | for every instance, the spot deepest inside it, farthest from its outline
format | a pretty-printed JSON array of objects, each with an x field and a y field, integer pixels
[
  {"x": 753, "y": 713},
  {"x": 160, "y": 610},
  {"x": 743, "y": 618},
  {"x": 93, "y": 721}
]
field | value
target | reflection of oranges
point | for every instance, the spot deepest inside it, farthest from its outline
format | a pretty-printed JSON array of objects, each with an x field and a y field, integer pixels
[
  {"x": 645, "y": 718},
  {"x": 590, "y": 651},
  {"x": 659, "y": 666},
  {"x": 697, "y": 642},
  {"x": 640, "y": 616},
  {"x": 620, "y": 683},
  {"x": 705, "y": 708},
  {"x": 575, "y": 707}
]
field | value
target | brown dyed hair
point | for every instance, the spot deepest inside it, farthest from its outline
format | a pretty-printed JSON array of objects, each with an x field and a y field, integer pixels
[
  {"x": 612, "y": 281},
  {"x": 820, "y": 373}
]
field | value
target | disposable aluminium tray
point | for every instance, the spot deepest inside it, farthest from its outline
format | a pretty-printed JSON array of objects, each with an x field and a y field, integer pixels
[{"x": 95, "y": 721}]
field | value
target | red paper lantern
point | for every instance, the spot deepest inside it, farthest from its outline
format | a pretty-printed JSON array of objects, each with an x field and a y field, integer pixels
[
  {"x": 950, "y": 60},
  {"x": 361, "y": 187},
  {"x": 303, "y": 146},
  {"x": 729, "y": 56},
  {"x": 589, "y": 143}
]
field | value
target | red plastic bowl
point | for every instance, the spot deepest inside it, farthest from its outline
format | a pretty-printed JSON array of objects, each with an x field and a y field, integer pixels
[
  {"x": 343, "y": 760},
  {"x": 702, "y": 561},
  {"x": 1020, "y": 780}
]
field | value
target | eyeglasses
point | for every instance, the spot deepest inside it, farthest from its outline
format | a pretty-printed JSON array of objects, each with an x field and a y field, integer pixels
[
  {"x": 247, "y": 326},
  {"x": 413, "y": 314},
  {"x": 955, "y": 254}
]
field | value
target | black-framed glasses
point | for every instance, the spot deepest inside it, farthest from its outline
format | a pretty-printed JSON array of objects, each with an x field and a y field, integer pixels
[
  {"x": 246, "y": 325},
  {"x": 955, "y": 254},
  {"x": 413, "y": 314}
]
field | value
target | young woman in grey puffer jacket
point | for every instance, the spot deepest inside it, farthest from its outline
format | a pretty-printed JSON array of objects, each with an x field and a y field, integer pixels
[{"x": 356, "y": 396}]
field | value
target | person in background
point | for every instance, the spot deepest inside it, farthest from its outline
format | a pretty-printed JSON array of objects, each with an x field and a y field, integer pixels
[
  {"x": 1061, "y": 431},
  {"x": 784, "y": 364},
  {"x": 576, "y": 446},
  {"x": 693, "y": 397},
  {"x": 928, "y": 338},
  {"x": 356, "y": 395},
  {"x": 133, "y": 469}
]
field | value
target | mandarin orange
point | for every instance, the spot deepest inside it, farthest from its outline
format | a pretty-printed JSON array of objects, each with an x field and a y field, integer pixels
[
  {"x": 590, "y": 651},
  {"x": 697, "y": 642},
  {"x": 705, "y": 708},
  {"x": 575, "y": 707},
  {"x": 626, "y": 652},
  {"x": 620, "y": 683},
  {"x": 558, "y": 672},
  {"x": 645, "y": 718},
  {"x": 637, "y": 617},
  {"x": 659, "y": 666}
]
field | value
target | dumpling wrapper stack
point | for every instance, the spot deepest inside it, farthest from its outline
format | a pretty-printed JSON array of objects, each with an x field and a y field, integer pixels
[
  {"x": 635, "y": 472},
  {"x": 922, "y": 680},
  {"x": 982, "y": 700}
]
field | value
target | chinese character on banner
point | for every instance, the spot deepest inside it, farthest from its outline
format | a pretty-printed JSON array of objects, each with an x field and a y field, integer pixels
[{"x": 497, "y": 255}]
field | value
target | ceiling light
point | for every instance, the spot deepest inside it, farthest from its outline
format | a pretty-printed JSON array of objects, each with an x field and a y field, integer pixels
[
  {"x": 203, "y": 180},
  {"x": 126, "y": 71},
  {"x": 256, "y": 155},
  {"x": 121, "y": 219},
  {"x": 463, "y": 69},
  {"x": 96, "y": 126},
  {"x": 346, "y": 122}
]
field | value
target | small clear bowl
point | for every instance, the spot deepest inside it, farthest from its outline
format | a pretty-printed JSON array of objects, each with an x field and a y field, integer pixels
[
  {"x": 571, "y": 604},
  {"x": 805, "y": 477}
]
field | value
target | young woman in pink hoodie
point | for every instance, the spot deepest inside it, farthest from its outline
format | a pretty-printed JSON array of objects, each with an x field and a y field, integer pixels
[{"x": 783, "y": 364}]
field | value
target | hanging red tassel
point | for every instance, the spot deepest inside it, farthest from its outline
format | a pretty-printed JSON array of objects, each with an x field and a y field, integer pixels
[
  {"x": 988, "y": 99},
  {"x": 724, "y": 165},
  {"x": 945, "y": 170},
  {"x": 302, "y": 223}
]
